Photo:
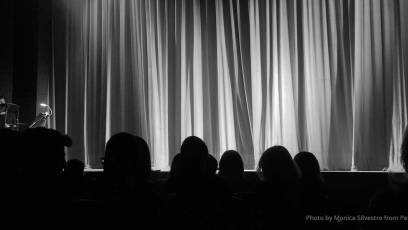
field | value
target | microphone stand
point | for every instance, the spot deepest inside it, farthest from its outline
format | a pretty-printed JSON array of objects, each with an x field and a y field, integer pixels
[
  {"x": 41, "y": 122},
  {"x": 47, "y": 115}
]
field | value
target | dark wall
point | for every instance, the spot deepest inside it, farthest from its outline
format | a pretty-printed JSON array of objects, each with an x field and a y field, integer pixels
[
  {"x": 26, "y": 17},
  {"x": 25, "y": 54},
  {"x": 44, "y": 70},
  {"x": 6, "y": 48}
]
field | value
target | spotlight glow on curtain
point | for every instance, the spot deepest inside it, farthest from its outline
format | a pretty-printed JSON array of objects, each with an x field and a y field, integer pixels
[{"x": 321, "y": 76}]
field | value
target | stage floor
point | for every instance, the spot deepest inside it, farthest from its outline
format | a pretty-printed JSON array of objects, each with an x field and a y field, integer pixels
[{"x": 380, "y": 178}]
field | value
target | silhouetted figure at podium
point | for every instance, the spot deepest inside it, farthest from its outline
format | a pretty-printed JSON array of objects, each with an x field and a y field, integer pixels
[{"x": 7, "y": 116}]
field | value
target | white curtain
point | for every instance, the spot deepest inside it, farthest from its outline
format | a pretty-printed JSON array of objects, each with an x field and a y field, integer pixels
[{"x": 312, "y": 75}]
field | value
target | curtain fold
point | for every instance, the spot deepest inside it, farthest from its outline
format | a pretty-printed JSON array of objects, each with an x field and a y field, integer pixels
[{"x": 325, "y": 76}]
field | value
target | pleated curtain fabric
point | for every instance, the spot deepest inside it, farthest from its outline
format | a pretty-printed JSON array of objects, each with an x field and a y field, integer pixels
[{"x": 326, "y": 77}]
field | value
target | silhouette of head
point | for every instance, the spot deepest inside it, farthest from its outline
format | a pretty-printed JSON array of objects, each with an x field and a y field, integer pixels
[
  {"x": 308, "y": 165},
  {"x": 175, "y": 165},
  {"x": 404, "y": 150},
  {"x": 194, "y": 155},
  {"x": 45, "y": 153},
  {"x": 211, "y": 165},
  {"x": 121, "y": 156},
  {"x": 10, "y": 147},
  {"x": 231, "y": 165},
  {"x": 75, "y": 167},
  {"x": 142, "y": 172},
  {"x": 276, "y": 164}
]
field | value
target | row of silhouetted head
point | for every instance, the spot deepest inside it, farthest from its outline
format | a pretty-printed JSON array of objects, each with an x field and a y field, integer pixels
[{"x": 40, "y": 187}]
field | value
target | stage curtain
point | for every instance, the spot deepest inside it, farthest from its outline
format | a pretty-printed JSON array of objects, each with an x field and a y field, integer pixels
[{"x": 321, "y": 76}]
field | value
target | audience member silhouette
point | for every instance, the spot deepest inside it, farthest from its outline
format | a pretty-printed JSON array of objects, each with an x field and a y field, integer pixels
[
  {"x": 199, "y": 200},
  {"x": 40, "y": 189},
  {"x": 232, "y": 168},
  {"x": 46, "y": 155},
  {"x": 310, "y": 170},
  {"x": 175, "y": 170},
  {"x": 10, "y": 170},
  {"x": 141, "y": 176},
  {"x": 404, "y": 151},
  {"x": 74, "y": 168},
  {"x": 315, "y": 195},
  {"x": 211, "y": 165},
  {"x": 43, "y": 161},
  {"x": 191, "y": 178},
  {"x": 11, "y": 191},
  {"x": 194, "y": 156},
  {"x": 392, "y": 202},
  {"x": 74, "y": 179},
  {"x": 129, "y": 206},
  {"x": 277, "y": 196}
]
